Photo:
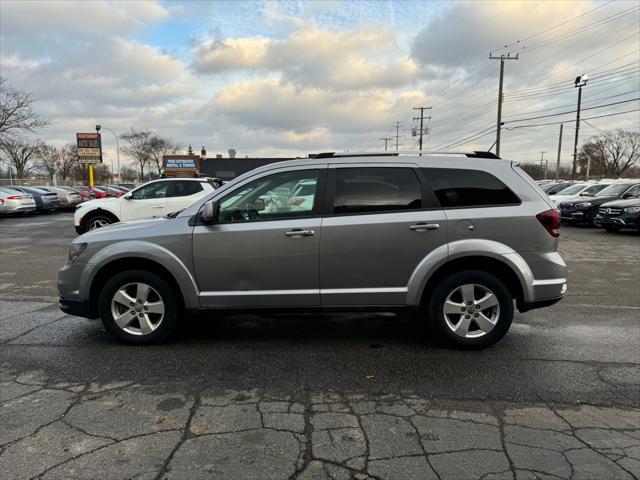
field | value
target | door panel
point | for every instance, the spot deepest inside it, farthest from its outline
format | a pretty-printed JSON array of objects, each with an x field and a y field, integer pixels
[
  {"x": 147, "y": 201},
  {"x": 257, "y": 264},
  {"x": 379, "y": 225},
  {"x": 368, "y": 259},
  {"x": 264, "y": 250}
]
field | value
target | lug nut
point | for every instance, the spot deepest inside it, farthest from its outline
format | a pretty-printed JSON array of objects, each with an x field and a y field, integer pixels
[
  {"x": 140, "y": 314},
  {"x": 133, "y": 312},
  {"x": 467, "y": 316},
  {"x": 463, "y": 309},
  {"x": 477, "y": 307},
  {"x": 139, "y": 301},
  {"x": 475, "y": 315},
  {"x": 469, "y": 303},
  {"x": 131, "y": 304},
  {"x": 146, "y": 308}
]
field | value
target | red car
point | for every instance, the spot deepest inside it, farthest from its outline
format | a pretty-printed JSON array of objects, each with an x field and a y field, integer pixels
[{"x": 99, "y": 193}]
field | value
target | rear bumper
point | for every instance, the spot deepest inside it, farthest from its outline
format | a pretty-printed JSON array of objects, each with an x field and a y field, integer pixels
[{"x": 525, "y": 307}]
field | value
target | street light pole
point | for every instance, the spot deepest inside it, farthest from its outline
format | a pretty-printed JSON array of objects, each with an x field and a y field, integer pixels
[
  {"x": 117, "y": 151},
  {"x": 580, "y": 82}
]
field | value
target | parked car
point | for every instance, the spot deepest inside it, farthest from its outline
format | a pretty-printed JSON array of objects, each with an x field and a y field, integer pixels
[
  {"x": 555, "y": 188},
  {"x": 153, "y": 199},
  {"x": 45, "y": 201},
  {"x": 120, "y": 188},
  {"x": 16, "y": 201},
  {"x": 584, "y": 210},
  {"x": 577, "y": 190},
  {"x": 619, "y": 214},
  {"x": 128, "y": 186},
  {"x": 114, "y": 192},
  {"x": 96, "y": 192},
  {"x": 457, "y": 239},
  {"x": 68, "y": 199}
]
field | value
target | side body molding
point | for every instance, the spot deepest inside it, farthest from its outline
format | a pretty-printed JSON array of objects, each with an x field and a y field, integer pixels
[
  {"x": 149, "y": 251},
  {"x": 468, "y": 248}
]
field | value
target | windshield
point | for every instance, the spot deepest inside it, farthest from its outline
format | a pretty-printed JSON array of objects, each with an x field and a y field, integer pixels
[
  {"x": 573, "y": 190},
  {"x": 613, "y": 190}
]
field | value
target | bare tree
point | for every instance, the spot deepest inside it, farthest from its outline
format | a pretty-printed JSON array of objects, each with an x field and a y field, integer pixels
[
  {"x": 20, "y": 153},
  {"x": 158, "y": 147},
  {"x": 138, "y": 148},
  {"x": 48, "y": 159},
  {"x": 68, "y": 161},
  {"x": 128, "y": 174},
  {"x": 612, "y": 153},
  {"x": 16, "y": 112}
]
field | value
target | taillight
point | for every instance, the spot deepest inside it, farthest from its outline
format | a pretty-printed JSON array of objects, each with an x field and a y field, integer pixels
[
  {"x": 550, "y": 220},
  {"x": 14, "y": 197}
]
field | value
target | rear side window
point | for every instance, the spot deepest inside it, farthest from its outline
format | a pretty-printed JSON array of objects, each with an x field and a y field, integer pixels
[
  {"x": 185, "y": 188},
  {"x": 376, "y": 189},
  {"x": 468, "y": 188}
]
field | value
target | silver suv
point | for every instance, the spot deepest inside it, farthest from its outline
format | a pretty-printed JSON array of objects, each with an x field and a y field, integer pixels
[{"x": 457, "y": 238}]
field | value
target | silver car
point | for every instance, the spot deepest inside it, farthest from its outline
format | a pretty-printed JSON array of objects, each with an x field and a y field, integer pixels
[
  {"x": 15, "y": 201},
  {"x": 461, "y": 239},
  {"x": 68, "y": 198}
]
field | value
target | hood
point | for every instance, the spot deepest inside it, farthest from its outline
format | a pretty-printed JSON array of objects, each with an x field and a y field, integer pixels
[
  {"x": 113, "y": 202},
  {"x": 628, "y": 202},
  {"x": 124, "y": 230}
]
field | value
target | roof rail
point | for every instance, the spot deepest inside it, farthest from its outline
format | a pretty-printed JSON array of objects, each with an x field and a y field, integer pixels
[{"x": 474, "y": 154}]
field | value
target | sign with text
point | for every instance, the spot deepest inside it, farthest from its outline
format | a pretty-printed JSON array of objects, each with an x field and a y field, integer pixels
[
  {"x": 180, "y": 165},
  {"x": 89, "y": 147}
]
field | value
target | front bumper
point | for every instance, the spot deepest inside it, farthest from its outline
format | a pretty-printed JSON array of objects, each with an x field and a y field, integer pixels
[
  {"x": 574, "y": 215},
  {"x": 625, "y": 220},
  {"x": 78, "y": 308}
]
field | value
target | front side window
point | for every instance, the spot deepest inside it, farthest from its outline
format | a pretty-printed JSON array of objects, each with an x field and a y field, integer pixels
[
  {"x": 274, "y": 197},
  {"x": 376, "y": 189},
  {"x": 468, "y": 188},
  {"x": 153, "y": 190},
  {"x": 633, "y": 192},
  {"x": 182, "y": 188}
]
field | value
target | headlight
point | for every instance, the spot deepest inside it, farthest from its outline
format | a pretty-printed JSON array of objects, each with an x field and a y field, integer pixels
[
  {"x": 75, "y": 250},
  {"x": 583, "y": 205},
  {"x": 632, "y": 209}
]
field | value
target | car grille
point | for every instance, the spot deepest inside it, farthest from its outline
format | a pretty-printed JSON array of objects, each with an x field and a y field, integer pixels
[{"x": 610, "y": 211}]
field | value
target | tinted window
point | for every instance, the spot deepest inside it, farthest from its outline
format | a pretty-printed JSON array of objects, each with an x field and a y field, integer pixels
[
  {"x": 184, "y": 189},
  {"x": 152, "y": 190},
  {"x": 271, "y": 198},
  {"x": 376, "y": 189},
  {"x": 468, "y": 188}
]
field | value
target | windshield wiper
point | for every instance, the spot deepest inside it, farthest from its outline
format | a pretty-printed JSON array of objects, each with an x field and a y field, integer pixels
[{"x": 174, "y": 214}]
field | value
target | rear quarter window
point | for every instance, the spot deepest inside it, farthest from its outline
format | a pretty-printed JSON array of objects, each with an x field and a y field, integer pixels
[{"x": 456, "y": 187}]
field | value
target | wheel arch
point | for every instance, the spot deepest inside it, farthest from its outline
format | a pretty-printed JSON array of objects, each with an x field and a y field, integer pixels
[
  {"x": 99, "y": 211},
  {"x": 133, "y": 256},
  {"x": 471, "y": 254}
]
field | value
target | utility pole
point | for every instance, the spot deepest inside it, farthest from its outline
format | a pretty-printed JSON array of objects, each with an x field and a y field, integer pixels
[
  {"x": 542, "y": 152},
  {"x": 559, "y": 150},
  {"x": 386, "y": 140},
  {"x": 580, "y": 82},
  {"x": 397, "y": 134},
  {"x": 502, "y": 58},
  {"x": 421, "y": 118}
]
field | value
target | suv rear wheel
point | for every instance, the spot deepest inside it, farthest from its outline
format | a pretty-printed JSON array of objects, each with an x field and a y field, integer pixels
[
  {"x": 138, "y": 307},
  {"x": 471, "y": 309}
]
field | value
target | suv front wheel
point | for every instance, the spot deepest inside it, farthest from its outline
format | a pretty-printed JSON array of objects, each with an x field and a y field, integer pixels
[
  {"x": 471, "y": 309},
  {"x": 138, "y": 307}
]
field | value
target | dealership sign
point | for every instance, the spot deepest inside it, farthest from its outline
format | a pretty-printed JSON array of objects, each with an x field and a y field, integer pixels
[
  {"x": 180, "y": 165},
  {"x": 89, "y": 147}
]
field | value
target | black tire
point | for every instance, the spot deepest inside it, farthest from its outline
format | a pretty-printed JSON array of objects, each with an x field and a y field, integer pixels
[
  {"x": 591, "y": 219},
  {"x": 165, "y": 326},
  {"x": 611, "y": 228},
  {"x": 438, "y": 322},
  {"x": 91, "y": 221}
]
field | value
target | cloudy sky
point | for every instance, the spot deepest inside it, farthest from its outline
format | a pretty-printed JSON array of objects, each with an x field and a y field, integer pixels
[{"x": 292, "y": 77}]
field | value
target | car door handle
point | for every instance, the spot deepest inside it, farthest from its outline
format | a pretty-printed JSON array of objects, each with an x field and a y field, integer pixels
[
  {"x": 158, "y": 206},
  {"x": 419, "y": 227},
  {"x": 299, "y": 233}
]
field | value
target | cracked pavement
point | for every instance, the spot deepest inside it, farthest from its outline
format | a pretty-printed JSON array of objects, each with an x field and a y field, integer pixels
[{"x": 313, "y": 397}]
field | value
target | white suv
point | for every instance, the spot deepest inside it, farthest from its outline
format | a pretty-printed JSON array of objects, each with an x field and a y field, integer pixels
[{"x": 153, "y": 199}]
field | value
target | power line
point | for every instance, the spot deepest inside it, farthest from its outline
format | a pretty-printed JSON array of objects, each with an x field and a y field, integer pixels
[
  {"x": 502, "y": 58},
  {"x": 573, "y": 111},
  {"x": 565, "y": 121}
]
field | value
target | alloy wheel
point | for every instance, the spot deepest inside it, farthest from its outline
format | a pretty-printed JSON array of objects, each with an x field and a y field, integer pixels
[
  {"x": 97, "y": 223},
  {"x": 471, "y": 310},
  {"x": 137, "y": 308}
]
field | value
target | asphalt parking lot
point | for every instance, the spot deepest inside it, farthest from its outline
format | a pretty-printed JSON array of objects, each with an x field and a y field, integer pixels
[{"x": 321, "y": 397}]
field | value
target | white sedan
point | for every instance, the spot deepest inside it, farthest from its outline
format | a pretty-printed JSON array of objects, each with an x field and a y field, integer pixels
[{"x": 153, "y": 199}]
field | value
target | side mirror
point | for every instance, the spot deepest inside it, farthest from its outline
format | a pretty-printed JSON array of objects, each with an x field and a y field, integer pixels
[
  {"x": 627, "y": 195},
  {"x": 210, "y": 211},
  {"x": 585, "y": 194},
  {"x": 259, "y": 204},
  {"x": 128, "y": 196}
]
